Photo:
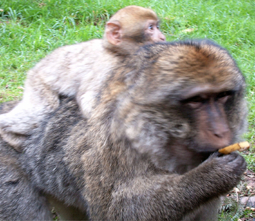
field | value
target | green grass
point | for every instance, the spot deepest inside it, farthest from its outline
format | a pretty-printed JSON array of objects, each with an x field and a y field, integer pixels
[{"x": 30, "y": 29}]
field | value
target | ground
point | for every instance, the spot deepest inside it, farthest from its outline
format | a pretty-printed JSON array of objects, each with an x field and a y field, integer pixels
[{"x": 239, "y": 204}]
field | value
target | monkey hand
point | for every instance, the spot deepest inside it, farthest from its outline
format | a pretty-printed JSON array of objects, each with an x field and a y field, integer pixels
[
  {"x": 219, "y": 174},
  {"x": 213, "y": 178},
  {"x": 226, "y": 170}
]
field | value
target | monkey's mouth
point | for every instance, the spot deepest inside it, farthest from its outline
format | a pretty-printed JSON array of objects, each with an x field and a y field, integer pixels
[{"x": 205, "y": 148}]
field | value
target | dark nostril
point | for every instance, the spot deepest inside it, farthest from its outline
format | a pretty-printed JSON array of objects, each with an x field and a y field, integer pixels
[
  {"x": 218, "y": 135},
  {"x": 222, "y": 139},
  {"x": 222, "y": 134}
]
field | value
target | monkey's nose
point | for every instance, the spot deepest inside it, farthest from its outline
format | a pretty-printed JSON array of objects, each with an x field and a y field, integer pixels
[
  {"x": 222, "y": 139},
  {"x": 162, "y": 37}
]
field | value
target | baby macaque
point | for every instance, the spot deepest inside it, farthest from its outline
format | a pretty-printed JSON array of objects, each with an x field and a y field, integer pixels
[{"x": 78, "y": 70}]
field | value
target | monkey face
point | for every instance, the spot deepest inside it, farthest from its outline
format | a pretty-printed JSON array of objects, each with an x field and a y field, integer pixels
[
  {"x": 208, "y": 109},
  {"x": 184, "y": 96},
  {"x": 153, "y": 32}
]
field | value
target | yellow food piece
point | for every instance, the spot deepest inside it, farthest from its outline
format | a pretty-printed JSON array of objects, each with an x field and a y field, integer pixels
[{"x": 237, "y": 146}]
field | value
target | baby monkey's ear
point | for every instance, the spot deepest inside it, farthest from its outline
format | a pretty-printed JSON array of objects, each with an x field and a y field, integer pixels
[{"x": 113, "y": 32}]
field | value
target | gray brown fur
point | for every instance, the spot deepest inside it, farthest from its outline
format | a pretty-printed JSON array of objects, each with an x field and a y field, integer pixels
[{"x": 136, "y": 157}]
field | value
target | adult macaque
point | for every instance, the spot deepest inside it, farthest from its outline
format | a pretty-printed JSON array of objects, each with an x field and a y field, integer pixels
[
  {"x": 149, "y": 149},
  {"x": 78, "y": 70}
]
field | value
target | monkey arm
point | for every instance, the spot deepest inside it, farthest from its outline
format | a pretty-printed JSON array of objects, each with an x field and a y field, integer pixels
[{"x": 148, "y": 197}]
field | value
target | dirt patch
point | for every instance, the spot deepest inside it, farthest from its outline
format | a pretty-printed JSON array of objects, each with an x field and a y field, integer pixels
[{"x": 239, "y": 204}]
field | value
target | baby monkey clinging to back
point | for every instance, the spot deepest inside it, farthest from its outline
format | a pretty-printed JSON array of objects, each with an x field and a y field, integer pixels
[{"x": 78, "y": 70}]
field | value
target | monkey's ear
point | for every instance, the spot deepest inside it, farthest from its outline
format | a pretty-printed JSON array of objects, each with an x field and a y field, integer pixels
[{"x": 113, "y": 32}]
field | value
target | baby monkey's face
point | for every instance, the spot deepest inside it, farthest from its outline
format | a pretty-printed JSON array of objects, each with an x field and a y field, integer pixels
[{"x": 153, "y": 30}]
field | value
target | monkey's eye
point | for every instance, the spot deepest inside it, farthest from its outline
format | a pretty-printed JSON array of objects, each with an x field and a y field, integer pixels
[
  {"x": 150, "y": 27},
  {"x": 224, "y": 96},
  {"x": 194, "y": 102}
]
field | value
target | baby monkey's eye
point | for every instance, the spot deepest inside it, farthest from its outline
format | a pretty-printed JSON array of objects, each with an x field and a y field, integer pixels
[{"x": 150, "y": 27}]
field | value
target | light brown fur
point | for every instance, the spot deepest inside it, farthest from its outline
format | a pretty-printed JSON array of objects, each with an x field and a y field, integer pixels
[{"x": 78, "y": 70}]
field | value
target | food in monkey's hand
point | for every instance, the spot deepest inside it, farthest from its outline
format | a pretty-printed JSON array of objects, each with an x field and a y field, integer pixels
[{"x": 237, "y": 146}]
